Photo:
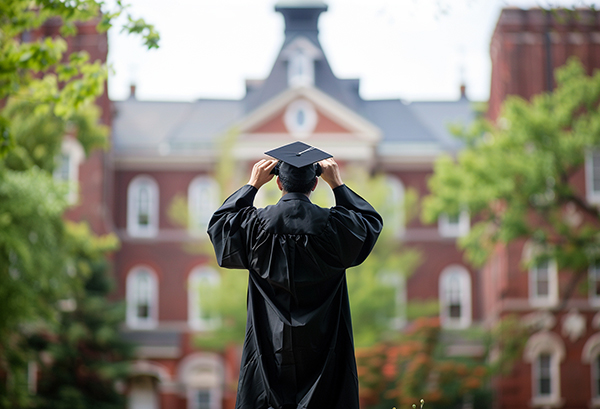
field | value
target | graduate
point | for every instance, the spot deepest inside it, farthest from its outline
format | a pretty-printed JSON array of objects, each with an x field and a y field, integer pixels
[{"x": 298, "y": 351}]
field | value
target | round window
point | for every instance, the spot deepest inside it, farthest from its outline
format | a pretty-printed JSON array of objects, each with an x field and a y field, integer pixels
[{"x": 300, "y": 118}]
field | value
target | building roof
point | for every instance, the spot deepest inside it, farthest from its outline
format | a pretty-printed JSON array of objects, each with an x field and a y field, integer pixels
[{"x": 181, "y": 128}]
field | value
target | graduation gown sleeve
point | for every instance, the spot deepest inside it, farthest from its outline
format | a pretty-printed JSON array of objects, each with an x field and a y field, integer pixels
[{"x": 229, "y": 225}]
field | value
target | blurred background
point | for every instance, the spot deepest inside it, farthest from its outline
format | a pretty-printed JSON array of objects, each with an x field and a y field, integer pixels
[{"x": 470, "y": 125}]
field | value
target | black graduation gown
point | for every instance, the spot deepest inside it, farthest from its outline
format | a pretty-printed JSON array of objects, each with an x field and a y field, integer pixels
[{"x": 299, "y": 349}]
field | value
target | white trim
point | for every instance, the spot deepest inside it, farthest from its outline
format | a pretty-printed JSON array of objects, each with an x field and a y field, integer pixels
[
  {"x": 134, "y": 228},
  {"x": 463, "y": 281},
  {"x": 590, "y": 353},
  {"x": 593, "y": 280},
  {"x": 132, "y": 293},
  {"x": 72, "y": 149},
  {"x": 202, "y": 372},
  {"x": 204, "y": 196},
  {"x": 551, "y": 299},
  {"x": 198, "y": 276},
  {"x": 545, "y": 342},
  {"x": 458, "y": 229},
  {"x": 356, "y": 124},
  {"x": 397, "y": 281},
  {"x": 591, "y": 195},
  {"x": 300, "y": 109},
  {"x": 397, "y": 198}
]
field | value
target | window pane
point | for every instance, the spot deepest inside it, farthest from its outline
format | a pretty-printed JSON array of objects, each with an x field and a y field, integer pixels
[
  {"x": 596, "y": 373},
  {"x": 203, "y": 399},
  {"x": 454, "y": 219},
  {"x": 596, "y": 171},
  {"x": 544, "y": 375},
  {"x": 595, "y": 281},
  {"x": 542, "y": 279},
  {"x": 63, "y": 170},
  {"x": 143, "y": 206},
  {"x": 143, "y": 295}
]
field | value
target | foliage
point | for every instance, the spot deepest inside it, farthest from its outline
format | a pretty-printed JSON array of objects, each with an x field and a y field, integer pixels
[
  {"x": 516, "y": 176},
  {"x": 87, "y": 350},
  {"x": 46, "y": 262},
  {"x": 39, "y": 72},
  {"x": 414, "y": 367}
]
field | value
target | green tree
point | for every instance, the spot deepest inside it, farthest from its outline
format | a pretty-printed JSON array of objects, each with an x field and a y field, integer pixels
[
  {"x": 43, "y": 94},
  {"x": 516, "y": 176},
  {"x": 40, "y": 71}
]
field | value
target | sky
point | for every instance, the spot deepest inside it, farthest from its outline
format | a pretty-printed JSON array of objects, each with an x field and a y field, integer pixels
[{"x": 400, "y": 49}]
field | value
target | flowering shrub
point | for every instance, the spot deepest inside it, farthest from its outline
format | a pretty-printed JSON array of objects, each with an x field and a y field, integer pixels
[{"x": 401, "y": 372}]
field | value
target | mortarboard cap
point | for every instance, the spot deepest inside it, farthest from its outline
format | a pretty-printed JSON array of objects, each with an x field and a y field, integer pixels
[{"x": 295, "y": 160}]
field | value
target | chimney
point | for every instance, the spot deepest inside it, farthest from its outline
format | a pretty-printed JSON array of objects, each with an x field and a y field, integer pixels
[
  {"x": 132, "y": 91},
  {"x": 463, "y": 91}
]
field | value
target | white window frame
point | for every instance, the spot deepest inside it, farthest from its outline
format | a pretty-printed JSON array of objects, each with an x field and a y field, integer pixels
[
  {"x": 134, "y": 229},
  {"x": 301, "y": 69},
  {"x": 396, "y": 194},
  {"x": 309, "y": 123},
  {"x": 593, "y": 282},
  {"x": 203, "y": 199},
  {"x": 71, "y": 149},
  {"x": 592, "y": 195},
  {"x": 211, "y": 378},
  {"x": 132, "y": 294},
  {"x": 463, "y": 278},
  {"x": 195, "y": 320},
  {"x": 397, "y": 281},
  {"x": 459, "y": 229},
  {"x": 149, "y": 394},
  {"x": 535, "y": 300},
  {"x": 590, "y": 355},
  {"x": 545, "y": 342}
]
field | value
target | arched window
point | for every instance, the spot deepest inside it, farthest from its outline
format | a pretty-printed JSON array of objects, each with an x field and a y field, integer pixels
[
  {"x": 142, "y": 298},
  {"x": 203, "y": 378},
  {"x": 455, "y": 297},
  {"x": 396, "y": 218},
  {"x": 543, "y": 283},
  {"x": 594, "y": 284},
  {"x": 397, "y": 281},
  {"x": 202, "y": 285},
  {"x": 142, "y": 207},
  {"x": 592, "y": 175},
  {"x": 67, "y": 166},
  {"x": 544, "y": 351},
  {"x": 591, "y": 355},
  {"x": 203, "y": 199},
  {"x": 142, "y": 393}
]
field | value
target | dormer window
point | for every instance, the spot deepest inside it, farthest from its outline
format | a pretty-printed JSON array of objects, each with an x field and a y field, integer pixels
[{"x": 301, "y": 71}]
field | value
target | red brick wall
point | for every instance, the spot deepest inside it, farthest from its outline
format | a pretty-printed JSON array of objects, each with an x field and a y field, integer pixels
[{"x": 518, "y": 50}]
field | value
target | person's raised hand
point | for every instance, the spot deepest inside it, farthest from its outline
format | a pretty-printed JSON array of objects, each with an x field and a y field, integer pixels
[
  {"x": 261, "y": 172},
  {"x": 330, "y": 173}
]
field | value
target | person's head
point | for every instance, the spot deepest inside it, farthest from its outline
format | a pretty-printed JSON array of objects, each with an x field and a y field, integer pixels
[{"x": 297, "y": 180}]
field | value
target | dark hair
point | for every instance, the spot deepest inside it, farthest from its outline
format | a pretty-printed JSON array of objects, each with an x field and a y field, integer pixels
[{"x": 290, "y": 185}]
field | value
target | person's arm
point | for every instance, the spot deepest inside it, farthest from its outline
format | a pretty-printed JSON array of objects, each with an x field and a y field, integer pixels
[
  {"x": 358, "y": 224},
  {"x": 228, "y": 226}
]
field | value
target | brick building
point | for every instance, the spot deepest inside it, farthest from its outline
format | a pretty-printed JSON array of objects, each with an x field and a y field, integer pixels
[
  {"x": 560, "y": 365},
  {"x": 164, "y": 152}
]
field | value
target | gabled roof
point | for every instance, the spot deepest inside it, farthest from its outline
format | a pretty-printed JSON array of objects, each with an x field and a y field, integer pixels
[{"x": 184, "y": 128}]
